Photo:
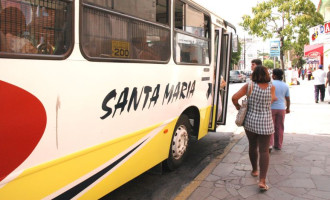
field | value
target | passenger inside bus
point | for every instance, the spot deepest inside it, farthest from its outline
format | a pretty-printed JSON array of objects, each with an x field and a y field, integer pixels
[
  {"x": 13, "y": 27},
  {"x": 142, "y": 50}
]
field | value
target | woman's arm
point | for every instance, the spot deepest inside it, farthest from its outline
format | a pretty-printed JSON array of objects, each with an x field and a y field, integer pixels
[
  {"x": 287, "y": 104},
  {"x": 272, "y": 90},
  {"x": 239, "y": 95}
]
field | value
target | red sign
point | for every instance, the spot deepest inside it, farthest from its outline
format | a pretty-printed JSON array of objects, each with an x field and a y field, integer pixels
[
  {"x": 314, "y": 54},
  {"x": 327, "y": 27},
  {"x": 310, "y": 50}
]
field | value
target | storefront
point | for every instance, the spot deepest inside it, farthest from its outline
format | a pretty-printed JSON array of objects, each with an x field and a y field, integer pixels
[
  {"x": 314, "y": 55},
  {"x": 318, "y": 52}
]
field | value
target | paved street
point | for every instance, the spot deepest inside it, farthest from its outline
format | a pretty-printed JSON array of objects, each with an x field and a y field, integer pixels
[{"x": 301, "y": 170}]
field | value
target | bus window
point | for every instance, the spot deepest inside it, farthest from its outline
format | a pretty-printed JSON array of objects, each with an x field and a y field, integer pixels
[
  {"x": 192, "y": 43},
  {"x": 128, "y": 30},
  {"x": 192, "y": 50},
  {"x": 178, "y": 12},
  {"x": 35, "y": 27}
]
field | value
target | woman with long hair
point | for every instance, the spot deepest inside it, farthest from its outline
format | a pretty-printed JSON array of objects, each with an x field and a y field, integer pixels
[{"x": 258, "y": 123}]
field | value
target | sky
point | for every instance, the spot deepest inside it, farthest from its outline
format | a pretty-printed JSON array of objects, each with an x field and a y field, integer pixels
[{"x": 233, "y": 10}]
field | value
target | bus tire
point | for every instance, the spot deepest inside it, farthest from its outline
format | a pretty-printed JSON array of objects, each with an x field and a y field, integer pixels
[{"x": 179, "y": 143}]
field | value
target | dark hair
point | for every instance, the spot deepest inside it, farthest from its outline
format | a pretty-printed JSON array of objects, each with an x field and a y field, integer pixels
[
  {"x": 257, "y": 61},
  {"x": 260, "y": 75},
  {"x": 13, "y": 26},
  {"x": 278, "y": 73}
]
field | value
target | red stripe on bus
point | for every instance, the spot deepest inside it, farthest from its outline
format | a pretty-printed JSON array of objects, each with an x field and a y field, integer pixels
[{"x": 22, "y": 123}]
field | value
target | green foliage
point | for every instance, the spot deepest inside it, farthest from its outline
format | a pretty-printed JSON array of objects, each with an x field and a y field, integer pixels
[
  {"x": 262, "y": 54},
  {"x": 236, "y": 56},
  {"x": 288, "y": 20},
  {"x": 270, "y": 64},
  {"x": 276, "y": 18},
  {"x": 299, "y": 62}
]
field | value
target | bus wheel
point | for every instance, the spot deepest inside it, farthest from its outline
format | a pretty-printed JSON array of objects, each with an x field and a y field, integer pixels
[{"x": 179, "y": 143}]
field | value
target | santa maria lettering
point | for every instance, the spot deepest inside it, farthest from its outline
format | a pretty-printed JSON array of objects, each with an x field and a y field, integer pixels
[{"x": 131, "y": 99}]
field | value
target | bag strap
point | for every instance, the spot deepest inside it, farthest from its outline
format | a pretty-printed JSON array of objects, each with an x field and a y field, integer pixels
[{"x": 249, "y": 89}]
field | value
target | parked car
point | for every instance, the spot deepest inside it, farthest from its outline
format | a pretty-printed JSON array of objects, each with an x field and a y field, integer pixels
[
  {"x": 237, "y": 76},
  {"x": 248, "y": 73}
]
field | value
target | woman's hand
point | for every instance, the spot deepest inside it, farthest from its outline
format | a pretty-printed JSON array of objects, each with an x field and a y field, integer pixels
[
  {"x": 237, "y": 106},
  {"x": 239, "y": 95}
]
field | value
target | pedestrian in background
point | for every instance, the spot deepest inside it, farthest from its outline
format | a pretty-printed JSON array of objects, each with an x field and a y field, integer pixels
[
  {"x": 258, "y": 123},
  {"x": 255, "y": 62},
  {"x": 289, "y": 73},
  {"x": 303, "y": 73},
  {"x": 294, "y": 78},
  {"x": 279, "y": 109},
  {"x": 319, "y": 83},
  {"x": 309, "y": 73},
  {"x": 328, "y": 82}
]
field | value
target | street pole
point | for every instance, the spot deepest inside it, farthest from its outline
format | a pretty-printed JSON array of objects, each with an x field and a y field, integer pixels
[
  {"x": 263, "y": 54},
  {"x": 244, "y": 53}
]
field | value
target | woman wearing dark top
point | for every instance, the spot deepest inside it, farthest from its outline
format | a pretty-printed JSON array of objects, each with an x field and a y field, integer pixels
[
  {"x": 258, "y": 123},
  {"x": 309, "y": 73}
]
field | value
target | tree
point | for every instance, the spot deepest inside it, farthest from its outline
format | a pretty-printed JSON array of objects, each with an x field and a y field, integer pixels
[
  {"x": 298, "y": 61},
  {"x": 287, "y": 20},
  {"x": 299, "y": 44},
  {"x": 236, "y": 56},
  {"x": 270, "y": 64},
  {"x": 263, "y": 55}
]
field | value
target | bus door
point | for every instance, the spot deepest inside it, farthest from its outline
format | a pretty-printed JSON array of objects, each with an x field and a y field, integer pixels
[{"x": 222, "y": 52}]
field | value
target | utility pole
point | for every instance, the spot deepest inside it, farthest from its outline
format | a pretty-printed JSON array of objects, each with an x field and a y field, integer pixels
[
  {"x": 263, "y": 54},
  {"x": 244, "y": 51},
  {"x": 282, "y": 45}
]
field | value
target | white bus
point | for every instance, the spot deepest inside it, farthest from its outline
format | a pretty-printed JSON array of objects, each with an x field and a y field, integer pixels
[{"x": 95, "y": 92}]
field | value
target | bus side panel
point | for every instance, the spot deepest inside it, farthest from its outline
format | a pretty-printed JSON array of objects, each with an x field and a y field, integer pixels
[
  {"x": 60, "y": 176},
  {"x": 204, "y": 123},
  {"x": 74, "y": 93},
  {"x": 157, "y": 151}
]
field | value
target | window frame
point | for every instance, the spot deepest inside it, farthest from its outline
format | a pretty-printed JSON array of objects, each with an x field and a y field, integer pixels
[
  {"x": 113, "y": 12},
  {"x": 48, "y": 56},
  {"x": 175, "y": 31}
]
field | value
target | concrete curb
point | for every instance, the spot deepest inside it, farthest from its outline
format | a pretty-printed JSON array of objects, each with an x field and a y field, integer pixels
[{"x": 187, "y": 191}]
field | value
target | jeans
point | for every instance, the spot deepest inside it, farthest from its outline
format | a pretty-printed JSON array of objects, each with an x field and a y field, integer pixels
[
  {"x": 319, "y": 89},
  {"x": 278, "y": 119}
]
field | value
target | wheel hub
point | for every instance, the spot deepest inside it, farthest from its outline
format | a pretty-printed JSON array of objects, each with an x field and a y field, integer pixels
[{"x": 180, "y": 142}]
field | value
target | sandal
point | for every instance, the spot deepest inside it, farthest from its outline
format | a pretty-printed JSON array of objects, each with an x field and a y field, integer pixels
[{"x": 263, "y": 188}]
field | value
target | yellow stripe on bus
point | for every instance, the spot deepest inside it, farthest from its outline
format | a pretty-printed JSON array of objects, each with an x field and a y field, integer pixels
[
  {"x": 43, "y": 180},
  {"x": 157, "y": 150},
  {"x": 205, "y": 120}
]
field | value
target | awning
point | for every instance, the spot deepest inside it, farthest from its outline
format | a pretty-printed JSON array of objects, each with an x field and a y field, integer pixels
[{"x": 313, "y": 51}]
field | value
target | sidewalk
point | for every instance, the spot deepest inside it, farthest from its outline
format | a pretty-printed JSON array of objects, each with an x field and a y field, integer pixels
[{"x": 301, "y": 170}]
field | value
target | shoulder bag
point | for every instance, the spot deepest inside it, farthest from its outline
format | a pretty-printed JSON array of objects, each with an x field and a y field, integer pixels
[{"x": 243, "y": 110}]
